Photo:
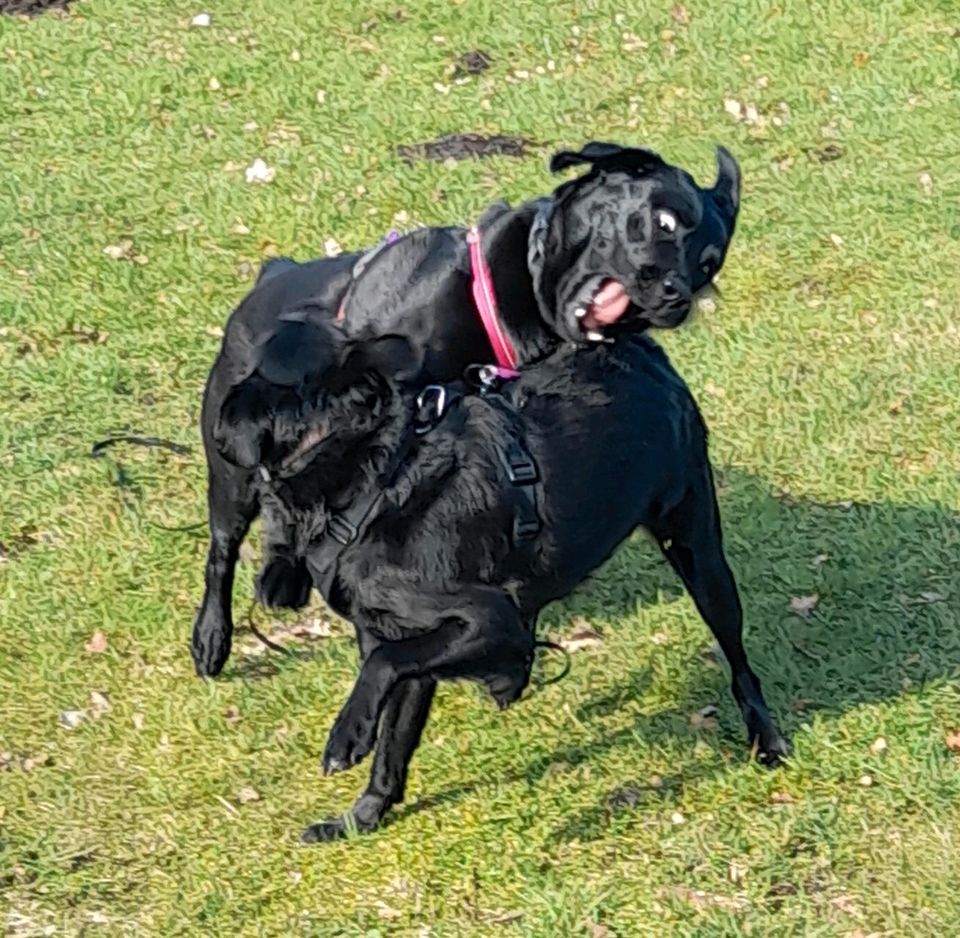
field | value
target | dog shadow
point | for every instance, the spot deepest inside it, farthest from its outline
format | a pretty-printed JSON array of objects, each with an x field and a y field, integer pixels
[{"x": 845, "y": 604}]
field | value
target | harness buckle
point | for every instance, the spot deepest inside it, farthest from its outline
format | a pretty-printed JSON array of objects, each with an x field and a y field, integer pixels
[
  {"x": 521, "y": 469},
  {"x": 341, "y": 530},
  {"x": 525, "y": 529}
]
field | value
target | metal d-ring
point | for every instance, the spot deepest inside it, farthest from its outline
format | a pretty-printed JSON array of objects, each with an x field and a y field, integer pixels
[{"x": 431, "y": 391}]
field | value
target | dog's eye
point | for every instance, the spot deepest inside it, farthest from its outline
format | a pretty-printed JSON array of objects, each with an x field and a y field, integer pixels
[
  {"x": 666, "y": 221},
  {"x": 710, "y": 261}
]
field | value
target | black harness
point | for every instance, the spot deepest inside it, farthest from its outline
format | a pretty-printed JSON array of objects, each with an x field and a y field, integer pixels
[{"x": 344, "y": 527}]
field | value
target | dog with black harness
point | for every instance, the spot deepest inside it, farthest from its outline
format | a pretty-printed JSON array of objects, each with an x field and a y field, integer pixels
[
  {"x": 440, "y": 530},
  {"x": 624, "y": 247}
]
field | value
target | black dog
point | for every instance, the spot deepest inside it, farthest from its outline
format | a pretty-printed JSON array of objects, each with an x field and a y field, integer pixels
[
  {"x": 443, "y": 547},
  {"x": 623, "y": 247}
]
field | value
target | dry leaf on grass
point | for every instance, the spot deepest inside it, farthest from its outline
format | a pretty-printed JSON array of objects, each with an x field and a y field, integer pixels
[
  {"x": 705, "y": 718},
  {"x": 247, "y": 794},
  {"x": 952, "y": 740},
  {"x": 124, "y": 251},
  {"x": 878, "y": 745},
  {"x": 99, "y": 704},
  {"x": 583, "y": 636},
  {"x": 926, "y": 183},
  {"x": 700, "y": 899},
  {"x": 34, "y": 762},
  {"x": 804, "y": 605},
  {"x": 118, "y": 251},
  {"x": 782, "y": 797},
  {"x": 201, "y": 20},
  {"x": 71, "y": 719},
  {"x": 387, "y": 911},
  {"x": 97, "y": 644},
  {"x": 259, "y": 172},
  {"x": 733, "y": 107}
]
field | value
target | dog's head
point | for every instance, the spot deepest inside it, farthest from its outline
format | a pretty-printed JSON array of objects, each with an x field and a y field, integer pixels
[
  {"x": 630, "y": 243},
  {"x": 313, "y": 395}
]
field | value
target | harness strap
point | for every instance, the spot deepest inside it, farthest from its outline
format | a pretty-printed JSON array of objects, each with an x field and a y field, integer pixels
[
  {"x": 522, "y": 473},
  {"x": 345, "y": 526}
]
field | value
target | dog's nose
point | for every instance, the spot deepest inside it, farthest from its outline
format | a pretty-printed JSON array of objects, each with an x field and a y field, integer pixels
[{"x": 671, "y": 291}]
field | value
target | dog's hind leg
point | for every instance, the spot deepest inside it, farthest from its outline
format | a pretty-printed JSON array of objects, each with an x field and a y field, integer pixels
[
  {"x": 691, "y": 539},
  {"x": 477, "y": 634},
  {"x": 401, "y": 725},
  {"x": 232, "y": 506}
]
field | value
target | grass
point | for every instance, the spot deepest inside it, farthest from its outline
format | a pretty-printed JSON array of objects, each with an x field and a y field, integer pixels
[{"x": 828, "y": 376}]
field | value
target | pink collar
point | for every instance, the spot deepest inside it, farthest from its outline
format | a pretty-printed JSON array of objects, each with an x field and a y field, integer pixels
[{"x": 486, "y": 303}]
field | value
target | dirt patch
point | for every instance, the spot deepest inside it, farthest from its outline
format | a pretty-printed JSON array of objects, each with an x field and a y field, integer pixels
[
  {"x": 464, "y": 147},
  {"x": 474, "y": 62},
  {"x": 31, "y": 7}
]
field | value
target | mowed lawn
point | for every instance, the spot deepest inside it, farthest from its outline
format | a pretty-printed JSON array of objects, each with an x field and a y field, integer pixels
[{"x": 137, "y": 799}]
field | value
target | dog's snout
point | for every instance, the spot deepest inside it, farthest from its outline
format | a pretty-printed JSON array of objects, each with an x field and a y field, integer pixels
[{"x": 670, "y": 289}]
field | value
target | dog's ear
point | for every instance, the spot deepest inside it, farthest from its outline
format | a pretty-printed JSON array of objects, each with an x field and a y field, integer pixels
[
  {"x": 392, "y": 356},
  {"x": 726, "y": 190},
  {"x": 297, "y": 351},
  {"x": 607, "y": 156}
]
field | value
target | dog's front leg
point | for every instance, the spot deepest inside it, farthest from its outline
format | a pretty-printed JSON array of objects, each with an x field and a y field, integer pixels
[
  {"x": 232, "y": 506},
  {"x": 404, "y": 717},
  {"x": 479, "y": 634}
]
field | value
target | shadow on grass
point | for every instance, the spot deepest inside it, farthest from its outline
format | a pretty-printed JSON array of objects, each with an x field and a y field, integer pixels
[{"x": 885, "y": 620}]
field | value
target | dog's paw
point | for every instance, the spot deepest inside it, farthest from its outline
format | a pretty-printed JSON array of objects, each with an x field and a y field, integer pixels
[
  {"x": 283, "y": 584},
  {"x": 335, "y": 828},
  {"x": 508, "y": 687},
  {"x": 772, "y": 747},
  {"x": 325, "y": 832},
  {"x": 350, "y": 742},
  {"x": 210, "y": 646},
  {"x": 365, "y": 816}
]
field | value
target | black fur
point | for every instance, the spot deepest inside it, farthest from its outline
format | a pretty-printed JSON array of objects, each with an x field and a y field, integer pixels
[{"x": 434, "y": 584}]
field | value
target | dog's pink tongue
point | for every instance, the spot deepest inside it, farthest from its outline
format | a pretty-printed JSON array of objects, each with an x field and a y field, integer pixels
[{"x": 608, "y": 305}]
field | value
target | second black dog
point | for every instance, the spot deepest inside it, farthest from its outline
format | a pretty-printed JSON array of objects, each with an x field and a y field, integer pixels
[{"x": 442, "y": 548}]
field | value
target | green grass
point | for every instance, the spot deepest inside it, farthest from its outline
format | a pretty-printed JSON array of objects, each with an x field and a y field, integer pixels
[{"x": 829, "y": 377}]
